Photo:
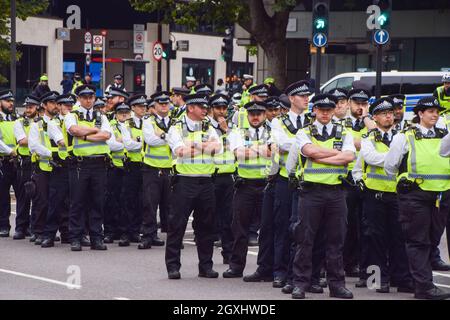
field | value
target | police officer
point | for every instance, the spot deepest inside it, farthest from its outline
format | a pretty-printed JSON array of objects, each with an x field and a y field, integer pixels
[
  {"x": 58, "y": 206},
  {"x": 342, "y": 106},
  {"x": 131, "y": 219},
  {"x": 423, "y": 188},
  {"x": 88, "y": 132},
  {"x": 177, "y": 100},
  {"x": 118, "y": 83},
  {"x": 442, "y": 93},
  {"x": 252, "y": 147},
  {"x": 21, "y": 132},
  {"x": 399, "y": 112},
  {"x": 225, "y": 168},
  {"x": 204, "y": 89},
  {"x": 386, "y": 246},
  {"x": 190, "y": 83},
  {"x": 327, "y": 148},
  {"x": 115, "y": 96},
  {"x": 194, "y": 142},
  {"x": 42, "y": 149},
  {"x": 358, "y": 123},
  {"x": 8, "y": 153},
  {"x": 248, "y": 83},
  {"x": 156, "y": 171},
  {"x": 114, "y": 205}
]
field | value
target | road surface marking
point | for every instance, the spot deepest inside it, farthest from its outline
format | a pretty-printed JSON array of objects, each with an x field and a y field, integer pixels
[
  {"x": 441, "y": 274},
  {"x": 20, "y": 274},
  {"x": 442, "y": 285},
  {"x": 120, "y": 298}
]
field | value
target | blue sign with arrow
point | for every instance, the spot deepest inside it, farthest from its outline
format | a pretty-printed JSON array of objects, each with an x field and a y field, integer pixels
[
  {"x": 381, "y": 36},
  {"x": 320, "y": 40}
]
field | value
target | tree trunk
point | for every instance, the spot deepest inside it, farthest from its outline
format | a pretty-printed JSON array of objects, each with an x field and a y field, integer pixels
[{"x": 276, "y": 53}]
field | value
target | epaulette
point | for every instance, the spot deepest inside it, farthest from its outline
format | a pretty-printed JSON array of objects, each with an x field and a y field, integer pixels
[
  {"x": 37, "y": 119},
  {"x": 348, "y": 123},
  {"x": 371, "y": 131},
  {"x": 440, "y": 133}
]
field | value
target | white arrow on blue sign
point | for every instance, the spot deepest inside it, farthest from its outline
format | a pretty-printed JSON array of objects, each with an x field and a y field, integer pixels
[
  {"x": 381, "y": 36},
  {"x": 319, "y": 39}
]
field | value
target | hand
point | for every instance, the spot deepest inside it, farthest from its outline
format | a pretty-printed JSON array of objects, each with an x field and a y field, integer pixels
[
  {"x": 223, "y": 124},
  {"x": 365, "y": 111},
  {"x": 13, "y": 153},
  {"x": 119, "y": 139}
]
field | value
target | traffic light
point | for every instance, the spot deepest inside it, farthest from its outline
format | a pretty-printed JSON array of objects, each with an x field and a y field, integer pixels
[
  {"x": 385, "y": 13},
  {"x": 227, "y": 46},
  {"x": 320, "y": 17},
  {"x": 168, "y": 52}
]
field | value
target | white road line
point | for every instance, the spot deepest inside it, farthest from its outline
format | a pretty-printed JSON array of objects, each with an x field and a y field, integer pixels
[
  {"x": 441, "y": 274},
  {"x": 120, "y": 298},
  {"x": 442, "y": 285},
  {"x": 252, "y": 253},
  {"x": 20, "y": 274},
  {"x": 189, "y": 242}
]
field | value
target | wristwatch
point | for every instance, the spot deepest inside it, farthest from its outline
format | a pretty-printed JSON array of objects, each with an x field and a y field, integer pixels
[{"x": 163, "y": 136}]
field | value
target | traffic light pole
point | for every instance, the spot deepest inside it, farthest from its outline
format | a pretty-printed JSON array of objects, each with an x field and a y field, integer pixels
[
  {"x": 159, "y": 86},
  {"x": 318, "y": 65},
  {"x": 379, "y": 70},
  {"x": 12, "y": 76}
]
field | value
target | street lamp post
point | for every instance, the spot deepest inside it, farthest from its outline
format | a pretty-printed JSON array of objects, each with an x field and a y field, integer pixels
[{"x": 13, "y": 47}]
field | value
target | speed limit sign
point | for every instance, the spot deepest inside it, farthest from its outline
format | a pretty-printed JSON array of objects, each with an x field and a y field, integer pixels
[{"x": 158, "y": 51}]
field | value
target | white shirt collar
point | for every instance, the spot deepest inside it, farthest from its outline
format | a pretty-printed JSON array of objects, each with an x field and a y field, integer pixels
[
  {"x": 137, "y": 120},
  {"x": 84, "y": 111},
  {"x": 46, "y": 118},
  {"x": 320, "y": 126},
  {"x": 293, "y": 117},
  {"x": 425, "y": 130},
  {"x": 192, "y": 125},
  {"x": 354, "y": 119},
  {"x": 214, "y": 123},
  {"x": 389, "y": 132}
]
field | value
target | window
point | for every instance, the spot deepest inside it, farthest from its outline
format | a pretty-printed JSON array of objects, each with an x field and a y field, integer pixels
[
  {"x": 389, "y": 85},
  {"x": 424, "y": 84},
  {"x": 332, "y": 85},
  {"x": 345, "y": 83}
]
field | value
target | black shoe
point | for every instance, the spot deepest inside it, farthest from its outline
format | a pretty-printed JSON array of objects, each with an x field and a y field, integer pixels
[
  {"x": 440, "y": 266},
  {"x": 257, "y": 277},
  {"x": 98, "y": 245},
  {"x": 108, "y": 239},
  {"x": 353, "y": 272},
  {"x": 341, "y": 293},
  {"x": 135, "y": 238},
  {"x": 287, "y": 289},
  {"x": 278, "y": 283},
  {"x": 174, "y": 274},
  {"x": 226, "y": 260},
  {"x": 75, "y": 246},
  {"x": 4, "y": 233},
  {"x": 182, "y": 246},
  {"x": 323, "y": 283},
  {"x": 38, "y": 241},
  {"x": 157, "y": 242},
  {"x": 47, "y": 243},
  {"x": 33, "y": 238},
  {"x": 218, "y": 243},
  {"x": 252, "y": 241},
  {"x": 406, "y": 288},
  {"x": 384, "y": 288},
  {"x": 362, "y": 283},
  {"x": 208, "y": 274},
  {"x": 85, "y": 242},
  {"x": 124, "y": 241},
  {"x": 298, "y": 293},
  {"x": 145, "y": 244},
  {"x": 432, "y": 294},
  {"x": 19, "y": 235},
  {"x": 230, "y": 273},
  {"x": 315, "y": 288}
]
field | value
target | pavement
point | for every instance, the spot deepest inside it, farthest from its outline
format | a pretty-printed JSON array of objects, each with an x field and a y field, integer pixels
[{"x": 126, "y": 273}]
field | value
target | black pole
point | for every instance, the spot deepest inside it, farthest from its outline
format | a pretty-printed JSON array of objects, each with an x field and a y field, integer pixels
[
  {"x": 159, "y": 86},
  {"x": 13, "y": 62},
  {"x": 247, "y": 66},
  {"x": 318, "y": 64},
  {"x": 379, "y": 69},
  {"x": 168, "y": 72}
]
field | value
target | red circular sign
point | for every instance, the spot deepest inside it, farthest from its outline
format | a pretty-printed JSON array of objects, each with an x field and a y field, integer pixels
[
  {"x": 157, "y": 51},
  {"x": 104, "y": 32},
  {"x": 139, "y": 37}
]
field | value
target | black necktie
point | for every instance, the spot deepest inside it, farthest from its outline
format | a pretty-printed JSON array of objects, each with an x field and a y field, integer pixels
[
  {"x": 299, "y": 122},
  {"x": 430, "y": 134},
  {"x": 324, "y": 132},
  {"x": 257, "y": 133},
  {"x": 8, "y": 117},
  {"x": 88, "y": 116},
  {"x": 357, "y": 123},
  {"x": 386, "y": 138}
]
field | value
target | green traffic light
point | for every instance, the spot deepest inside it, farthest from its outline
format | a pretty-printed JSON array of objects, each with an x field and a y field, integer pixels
[
  {"x": 320, "y": 24},
  {"x": 383, "y": 19},
  {"x": 164, "y": 55}
]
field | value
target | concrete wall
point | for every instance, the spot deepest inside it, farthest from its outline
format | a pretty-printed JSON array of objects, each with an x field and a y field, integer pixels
[{"x": 42, "y": 32}]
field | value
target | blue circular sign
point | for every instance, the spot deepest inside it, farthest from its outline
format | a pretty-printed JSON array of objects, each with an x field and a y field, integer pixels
[
  {"x": 320, "y": 39},
  {"x": 381, "y": 36}
]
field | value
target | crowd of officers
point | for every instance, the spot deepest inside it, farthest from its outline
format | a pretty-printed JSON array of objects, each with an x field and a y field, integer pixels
[{"x": 334, "y": 190}]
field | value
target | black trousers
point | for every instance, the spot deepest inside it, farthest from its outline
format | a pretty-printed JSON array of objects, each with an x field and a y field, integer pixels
[
  {"x": 40, "y": 201},
  {"x": 130, "y": 220},
  {"x": 386, "y": 242},
  {"x": 8, "y": 178},
  {"x": 87, "y": 197},
  {"x": 156, "y": 190},
  {"x": 59, "y": 203},
  {"x": 191, "y": 194},
  {"x": 354, "y": 249},
  {"x": 423, "y": 224},
  {"x": 114, "y": 203},
  {"x": 223, "y": 188},
  {"x": 320, "y": 206},
  {"x": 23, "y": 205},
  {"x": 274, "y": 240},
  {"x": 246, "y": 205}
]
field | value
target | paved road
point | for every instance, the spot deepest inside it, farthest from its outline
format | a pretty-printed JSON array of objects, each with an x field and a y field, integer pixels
[{"x": 30, "y": 272}]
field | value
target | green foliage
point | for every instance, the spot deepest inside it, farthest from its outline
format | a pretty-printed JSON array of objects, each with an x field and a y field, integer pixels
[
  {"x": 252, "y": 50},
  {"x": 24, "y": 8}
]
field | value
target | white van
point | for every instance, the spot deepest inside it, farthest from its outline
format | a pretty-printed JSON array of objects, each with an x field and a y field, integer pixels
[{"x": 414, "y": 85}]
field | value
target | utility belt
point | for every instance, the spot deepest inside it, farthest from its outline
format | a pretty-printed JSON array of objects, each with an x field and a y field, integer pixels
[
  {"x": 239, "y": 181},
  {"x": 381, "y": 195},
  {"x": 160, "y": 171},
  {"x": 24, "y": 160},
  {"x": 7, "y": 158},
  {"x": 98, "y": 159},
  {"x": 195, "y": 180},
  {"x": 314, "y": 185},
  {"x": 405, "y": 186}
]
